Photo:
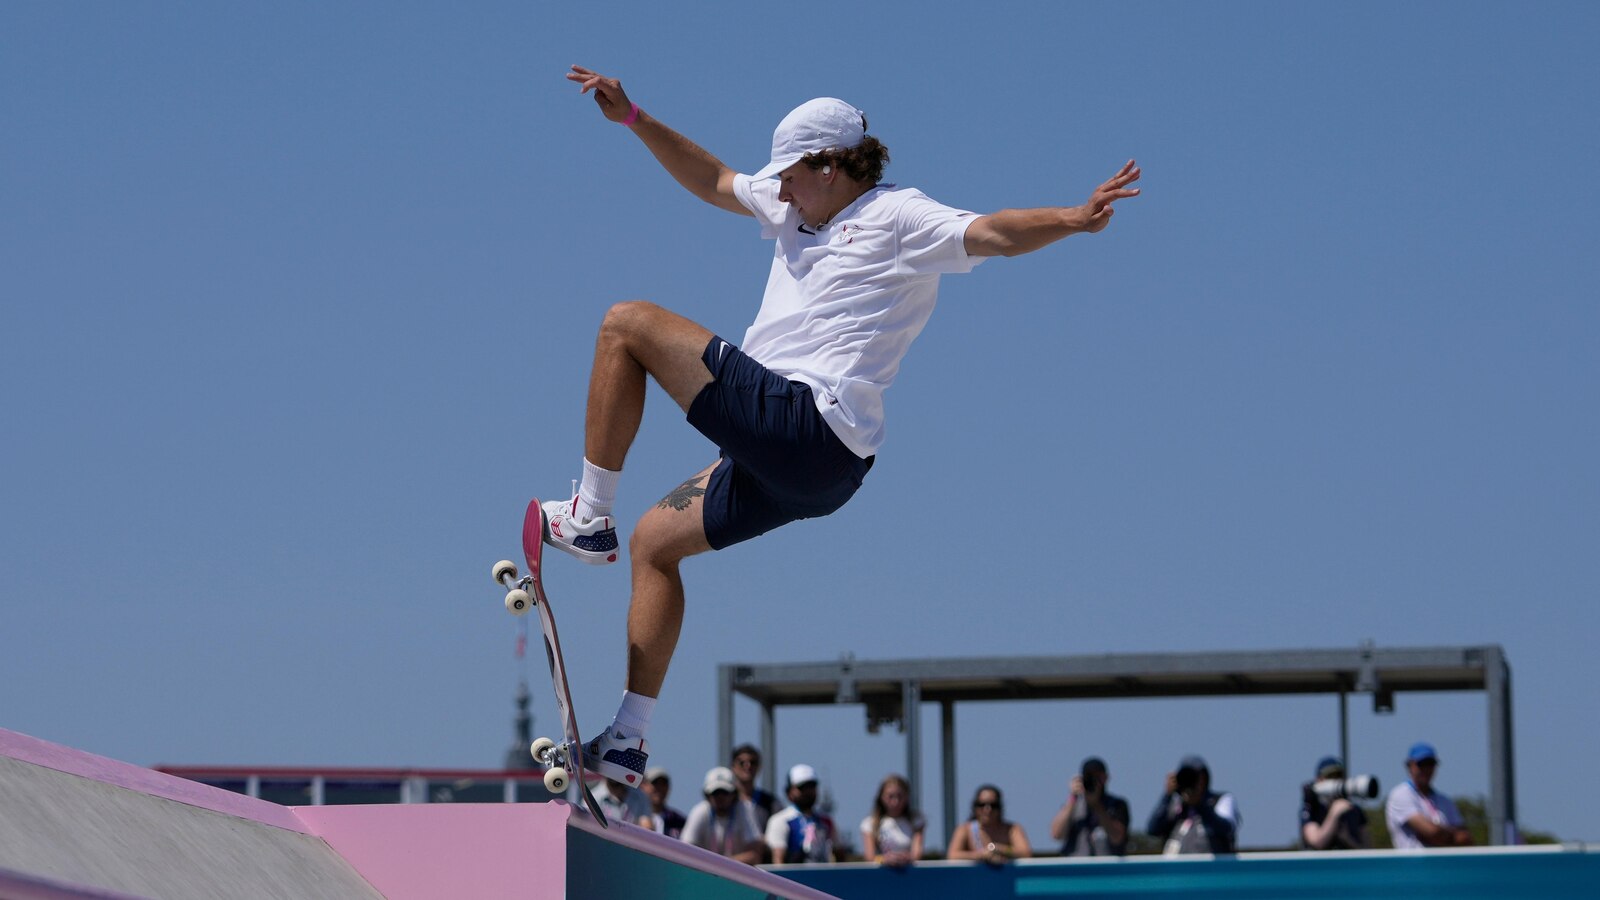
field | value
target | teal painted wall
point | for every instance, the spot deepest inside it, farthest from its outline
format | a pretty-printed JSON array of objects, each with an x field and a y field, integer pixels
[
  {"x": 600, "y": 869},
  {"x": 1528, "y": 873}
]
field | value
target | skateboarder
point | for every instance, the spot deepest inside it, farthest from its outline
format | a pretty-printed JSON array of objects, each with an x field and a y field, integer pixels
[{"x": 797, "y": 410}]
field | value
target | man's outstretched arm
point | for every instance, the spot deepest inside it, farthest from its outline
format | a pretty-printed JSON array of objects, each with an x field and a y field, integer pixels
[
  {"x": 702, "y": 174},
  {"x": 1013, "y": 232}
]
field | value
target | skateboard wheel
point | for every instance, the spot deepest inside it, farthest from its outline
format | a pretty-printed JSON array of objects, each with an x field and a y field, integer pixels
[
  {"x": 518, "y": 602},
  {"x": 555, "y": 781},
  {"x": 504, "y": 568},
  {"x": 541, "y": 750}
]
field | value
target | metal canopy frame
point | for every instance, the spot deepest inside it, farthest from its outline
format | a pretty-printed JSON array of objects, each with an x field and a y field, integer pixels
[{"x": 893, "y": 692}]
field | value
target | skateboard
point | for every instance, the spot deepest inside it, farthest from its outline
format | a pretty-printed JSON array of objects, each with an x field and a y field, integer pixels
[{"x": 564, "y": 759}]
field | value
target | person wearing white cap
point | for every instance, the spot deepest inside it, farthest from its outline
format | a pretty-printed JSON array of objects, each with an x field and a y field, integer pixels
[
  {"x": 796, "y": 411},
  {"x": 799, "y": 833},
  {"x": 720, "y": 823}
]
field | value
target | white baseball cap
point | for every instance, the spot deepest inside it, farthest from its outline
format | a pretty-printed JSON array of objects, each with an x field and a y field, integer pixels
[
  {"x": 825, "y": 123},
  {"x": 802, "y": 774},
  {"x": 720, "y": 779}
]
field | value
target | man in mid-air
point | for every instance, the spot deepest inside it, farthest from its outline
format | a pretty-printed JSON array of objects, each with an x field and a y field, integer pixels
[{"x": 797, "y": 408}]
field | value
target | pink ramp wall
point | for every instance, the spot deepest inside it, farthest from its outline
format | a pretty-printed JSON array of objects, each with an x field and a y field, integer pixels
[{"x": 428, "y": 851}]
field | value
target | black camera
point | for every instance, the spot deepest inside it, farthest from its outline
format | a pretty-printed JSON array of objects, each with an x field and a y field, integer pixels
[{"x": 1187, "y": 779}]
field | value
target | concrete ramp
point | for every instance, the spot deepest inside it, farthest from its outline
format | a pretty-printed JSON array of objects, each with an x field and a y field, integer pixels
[{"x": 75, "y": 825}]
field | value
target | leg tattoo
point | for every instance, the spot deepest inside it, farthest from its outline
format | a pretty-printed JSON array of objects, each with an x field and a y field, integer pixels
[{"x": 683, "y": 494}]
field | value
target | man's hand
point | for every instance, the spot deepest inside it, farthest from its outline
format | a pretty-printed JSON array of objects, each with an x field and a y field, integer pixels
[
  {"x": 700, "y": 173},
  {"x": 1098, "y": 211},
  {"x": 608, "y": 93},
  {"x": 1013, "y": 232}
]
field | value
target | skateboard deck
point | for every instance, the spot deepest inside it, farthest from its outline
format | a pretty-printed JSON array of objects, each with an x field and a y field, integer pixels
[{"x": 563, "y": 759}]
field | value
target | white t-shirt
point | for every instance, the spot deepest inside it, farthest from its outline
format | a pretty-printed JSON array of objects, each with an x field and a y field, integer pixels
[
  {"x": 632, "y": 807},
  {"x": 1404, "y": 802},
  {"x": 894, "y": 834},
  {"x": 723, "y": 835},
  {"x": 844, "y": 303}
]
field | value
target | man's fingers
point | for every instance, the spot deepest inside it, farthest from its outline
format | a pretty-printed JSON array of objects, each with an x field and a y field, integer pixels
[
  {"x": 1122, "y": 178},
  {"x": 590, "y": 80}
]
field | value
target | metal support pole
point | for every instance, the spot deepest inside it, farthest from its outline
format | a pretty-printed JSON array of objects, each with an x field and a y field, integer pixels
[
  {"x": 1344, "y": 731},
  {"x": 947, "y": 738},
  {"x": 911, "y": 717},
  {"x": 769, "y": 749},
  {"x": 725, "y": 713},
  {"x": 1502, "y": 780}
]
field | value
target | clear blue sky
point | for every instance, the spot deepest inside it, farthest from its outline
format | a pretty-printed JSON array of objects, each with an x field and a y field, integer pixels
[{"x": 297, "y": 302}]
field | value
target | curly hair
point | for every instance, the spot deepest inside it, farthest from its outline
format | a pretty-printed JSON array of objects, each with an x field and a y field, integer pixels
[{"x": 863, "y": 163}]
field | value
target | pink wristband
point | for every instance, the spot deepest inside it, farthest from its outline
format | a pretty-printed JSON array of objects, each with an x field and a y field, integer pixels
[{"x": 633, "y": 114}]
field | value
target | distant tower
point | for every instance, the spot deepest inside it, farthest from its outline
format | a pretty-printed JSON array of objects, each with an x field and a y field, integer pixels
[{"x": 518, "y": 757}]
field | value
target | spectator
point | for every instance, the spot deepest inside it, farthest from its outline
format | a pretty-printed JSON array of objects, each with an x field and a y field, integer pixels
[
  {"x": 746, "y": 765},
  {"x": 1093, "y": 822},
  {"x": 892, "y": 835},
  {"x": 621, "y": 803},
  {"x": 666, "y": 820},
  {"x": 1192, "y": 818},
  {"x": 987, "y": 835},
  {"x": 800, "y": 833},
  {"x": 721, "y": 823},
  {"x": 1419, "y": 816},
  {"x": 1335, "y": 825}
]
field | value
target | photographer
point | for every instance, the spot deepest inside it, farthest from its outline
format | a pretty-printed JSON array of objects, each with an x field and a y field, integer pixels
[
  {"x": 1190, "y": 817},
  {"x": 1092, "y": 822},
  {"x": 1328, "y": 820}
]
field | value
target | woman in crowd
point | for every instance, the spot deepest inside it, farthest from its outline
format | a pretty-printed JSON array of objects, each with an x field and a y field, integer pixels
[
  {"x": 892, "y": 835},
  {"x": 987, "y": 835}
]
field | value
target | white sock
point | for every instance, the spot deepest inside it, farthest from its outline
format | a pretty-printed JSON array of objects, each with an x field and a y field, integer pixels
[
  {"x": 596, "y": 492},
  {"x": 633, "y": 717}
]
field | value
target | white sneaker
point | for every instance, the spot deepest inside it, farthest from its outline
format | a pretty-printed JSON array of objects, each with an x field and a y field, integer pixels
[
  {"x": 614, "y": 756},
  {"x": 594, "y": 541}
]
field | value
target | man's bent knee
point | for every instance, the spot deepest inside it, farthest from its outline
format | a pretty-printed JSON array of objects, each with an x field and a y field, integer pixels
[
  {"x": 663, "y": 545},
  {"x": 666, "y": 344},
  {"x": 630, "y": 318}
]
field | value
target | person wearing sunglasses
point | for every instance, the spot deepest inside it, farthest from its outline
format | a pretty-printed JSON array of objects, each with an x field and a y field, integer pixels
[
  {"x": 987, "y": 835},
  {"x": 1420, "y": 816}
]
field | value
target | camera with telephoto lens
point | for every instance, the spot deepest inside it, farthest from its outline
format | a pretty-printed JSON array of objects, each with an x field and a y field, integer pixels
[{"x": 1356, "y": 786}]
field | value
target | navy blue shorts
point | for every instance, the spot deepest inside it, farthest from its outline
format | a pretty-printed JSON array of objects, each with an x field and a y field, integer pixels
[{"x": 780, "y": 460}]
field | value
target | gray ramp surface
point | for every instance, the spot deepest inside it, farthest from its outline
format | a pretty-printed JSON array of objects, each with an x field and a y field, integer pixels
[{"x": 86, "y": 832}]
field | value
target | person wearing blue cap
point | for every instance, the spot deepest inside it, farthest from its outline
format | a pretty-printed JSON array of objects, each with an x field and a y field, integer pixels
[
  {"x": 797, "y": 411},
  {"x": 1419, "y": 816},
  {"x": 1335, "y": 824}
]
